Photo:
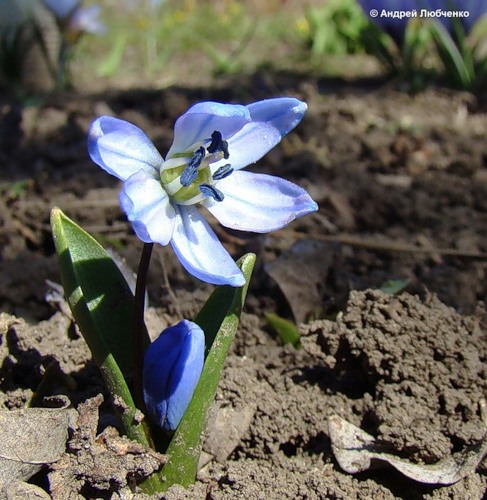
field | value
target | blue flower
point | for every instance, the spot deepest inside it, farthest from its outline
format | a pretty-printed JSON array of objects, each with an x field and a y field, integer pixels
[
  {"x": 171, "y": 371},
  {"x": 75, "y": 19},
  {"x": 87, "y": 20},
  {"x": 212, "y": 143}
]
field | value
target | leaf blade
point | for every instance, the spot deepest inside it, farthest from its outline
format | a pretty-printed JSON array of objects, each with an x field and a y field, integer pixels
[
  {"x": 85, "y": 270},
  {"x": 185, "y": 447},
  {"x": 97, "y": 290}
]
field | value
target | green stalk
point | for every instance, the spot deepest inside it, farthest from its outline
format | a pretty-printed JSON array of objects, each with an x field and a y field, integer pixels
[{"x": 219, "y": 319}]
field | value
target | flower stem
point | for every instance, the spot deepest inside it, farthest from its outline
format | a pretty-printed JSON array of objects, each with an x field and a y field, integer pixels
[{"x": 139, "y": 323}]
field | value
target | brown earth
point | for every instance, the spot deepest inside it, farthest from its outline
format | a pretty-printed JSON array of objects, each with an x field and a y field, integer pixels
[{"x": 402, "y": 186}]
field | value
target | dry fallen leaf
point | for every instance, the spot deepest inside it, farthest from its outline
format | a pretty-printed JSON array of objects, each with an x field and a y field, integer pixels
[
  {"x": 300, "y": 273},
  {"x": 30, "y": 438},
  {"x": 225, "y": 430},
  {"x": 357, "y": 451}
]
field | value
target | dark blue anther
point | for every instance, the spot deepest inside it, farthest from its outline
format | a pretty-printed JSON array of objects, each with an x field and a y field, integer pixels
[
  {"x": 191, "y": 171},
  {"x": 222, "y": 172},
  {"x": 212, "y": 192},
  {"x": 216, "y": 139},
  {"x": 218, "y": 144}
]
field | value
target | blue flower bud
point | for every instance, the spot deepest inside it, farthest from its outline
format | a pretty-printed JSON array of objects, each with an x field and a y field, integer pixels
[{"x": 172, "y": 369}]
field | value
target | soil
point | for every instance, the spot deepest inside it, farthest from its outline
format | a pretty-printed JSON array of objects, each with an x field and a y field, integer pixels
[{"x": 401, "y": 181}]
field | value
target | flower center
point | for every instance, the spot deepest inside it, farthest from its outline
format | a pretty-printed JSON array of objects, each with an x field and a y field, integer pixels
[{"x": 189, "y": 178}]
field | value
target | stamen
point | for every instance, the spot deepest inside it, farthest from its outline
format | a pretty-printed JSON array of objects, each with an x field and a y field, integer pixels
[
  {"x": 222, "y": 172},
  {"x": 216, "y": 139},
  {"x": 212, "y": 192},
  {"x": 191, "y": 171},
  {"x": 218, "y": 144}
]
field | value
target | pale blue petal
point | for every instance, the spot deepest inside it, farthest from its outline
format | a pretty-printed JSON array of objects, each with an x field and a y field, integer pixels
[
  {"x": 202, "y": 119},
  {"x": 87, "y": 20},
  {"x": 148, "y": 208},
  {"x": 283, "y": 113},
  {"x": 200, "y": 251},
  {"x": 171, "y": 371},
  {"x": 259, "y": 202},
  {"x": 122, "y": 149},
  {"x": 272, "y": 119},
  {"x": 250, "y": 144}
]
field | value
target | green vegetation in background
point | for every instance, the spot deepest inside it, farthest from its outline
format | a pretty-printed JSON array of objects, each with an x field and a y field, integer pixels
[
  {"x": 463, "y": 56},
  {"x": 335, "y": 28},
  {"x": 216, "y": 37},
  {"x": 188, "y": 42},
  {"x": 288, "y": 332}
]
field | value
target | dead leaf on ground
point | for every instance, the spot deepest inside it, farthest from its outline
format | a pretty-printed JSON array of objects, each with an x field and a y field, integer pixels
[
  {"x": 300, "y": 273},
  {"x": 225, "y": 430},
  {"x": 357, "y": 451},
  {"x": 29, "y": 439}
]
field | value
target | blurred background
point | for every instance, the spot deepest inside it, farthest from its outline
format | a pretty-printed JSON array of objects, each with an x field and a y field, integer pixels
[{"x": 94, "y": 45}]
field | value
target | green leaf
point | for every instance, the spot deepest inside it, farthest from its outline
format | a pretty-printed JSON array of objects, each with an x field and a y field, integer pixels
[
  {"x": 392, "y": 287},
  {"x": 219, "y": 320},
  {"x": 287, "y": 330},
  {"x": 97, "y": 292},
  {"x": 457, "y": 66},
  {"x": 380, "y": 45},
  {"x": 102, "y": 305}
]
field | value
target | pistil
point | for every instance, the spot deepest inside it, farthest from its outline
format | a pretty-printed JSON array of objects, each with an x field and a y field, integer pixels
[{"x": 188, "y": 179}]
